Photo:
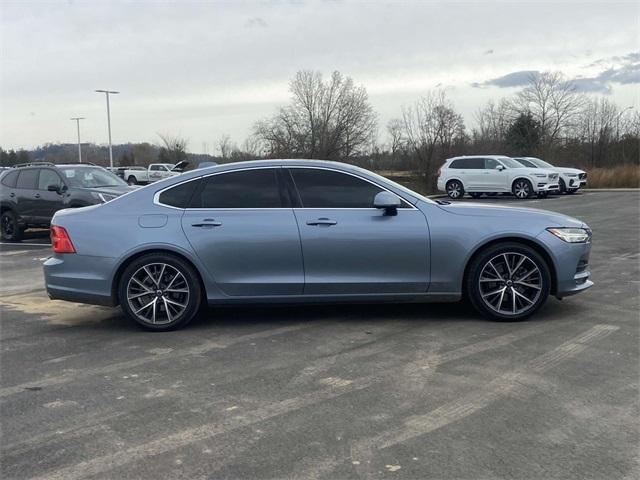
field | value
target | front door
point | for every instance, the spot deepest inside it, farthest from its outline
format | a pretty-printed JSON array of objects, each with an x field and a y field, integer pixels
[
  {"x": 348, "y": 246},
  {"x": 49, "y": 202},
  {"x": 494, "y": 178},
  {"x": 245, "y": 235}
]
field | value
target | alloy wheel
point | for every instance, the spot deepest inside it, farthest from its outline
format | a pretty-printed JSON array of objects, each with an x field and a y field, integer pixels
[
  {"x": 510, "y": 283},
  {"x": 158, "y": 293},
  {"x": 454, "y": 190},
  {"x": 8, "y": 226},
  {"x": 522, "y": 189}
]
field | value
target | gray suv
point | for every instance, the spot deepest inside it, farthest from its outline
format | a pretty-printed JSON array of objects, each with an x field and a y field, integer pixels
[{"x": 30, "y": 194}]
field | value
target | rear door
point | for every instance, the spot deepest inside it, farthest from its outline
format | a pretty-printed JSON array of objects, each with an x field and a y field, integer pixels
[
  {"x": 473, "y": 176},
  {"x": 242, "y": 228},
  {"x": 27, "y": 194},
  {"x": 350, "y": 247}
]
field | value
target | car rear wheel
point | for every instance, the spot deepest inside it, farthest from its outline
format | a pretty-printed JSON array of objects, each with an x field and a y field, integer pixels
[
  {"x": 10, "y": 231},
  {"x": 508, "y": 281},
  {"x": 160, "y": 292},
  {"x": 455, "y": 189},
  {"x": 132, "y": 180},
  {"x": 522, "y": 189}
]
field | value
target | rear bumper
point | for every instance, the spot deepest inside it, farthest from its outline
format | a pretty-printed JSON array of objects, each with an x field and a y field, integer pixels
[{"x": 79, "y": 278}]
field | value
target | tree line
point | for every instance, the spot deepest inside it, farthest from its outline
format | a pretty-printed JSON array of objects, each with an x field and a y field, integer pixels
[{"x": 332, "y": 118}]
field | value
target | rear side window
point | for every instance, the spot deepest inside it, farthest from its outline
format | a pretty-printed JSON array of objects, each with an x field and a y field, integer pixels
[
  {"x": 180, "y": 195},
  {"x": 9, "y": 180},
  {"x": 48, "y": 177},
  {"x": 328, "y": 189},
  {"x": 256, "y": 188},
  {"x": 28, "y": 179},
  {"x": 468, "y": 163}
]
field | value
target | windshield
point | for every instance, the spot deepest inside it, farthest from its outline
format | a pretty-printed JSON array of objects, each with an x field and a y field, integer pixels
[
  {"x": 510, "y": 162},
  {"x": 540, "y": 163},
  {"x": 526, "y": 162},
  {"x": 400, "y": 187},
  {"x": 90, "y": 177}
]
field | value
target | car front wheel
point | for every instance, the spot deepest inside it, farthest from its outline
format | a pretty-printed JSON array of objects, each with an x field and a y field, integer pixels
[
  {"x": 9, "y": 228},
  {"x": 508, "y": 281},
  {"x": 160, "y": 292},
  {"x": 455, "y": 189},
  {"x": 522, "y": 189}
]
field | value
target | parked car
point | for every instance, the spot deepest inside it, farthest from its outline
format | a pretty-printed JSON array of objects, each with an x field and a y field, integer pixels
[
  {"x": 153, "y": 173},
  {"x": 571, "y": 179},
  {"x": 290, "y": 231},
  {"x": 31, "y": 194},
  {"x": 493, "y": 174}
]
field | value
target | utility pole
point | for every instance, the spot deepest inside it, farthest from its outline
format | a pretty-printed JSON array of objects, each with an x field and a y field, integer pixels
[
  {"x": 107, "y": 92},
  {"x": 77, "y": 119}
]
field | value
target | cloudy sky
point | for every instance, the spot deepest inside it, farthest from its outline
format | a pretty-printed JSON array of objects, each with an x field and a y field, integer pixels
[{"x": 203, "y": 69}]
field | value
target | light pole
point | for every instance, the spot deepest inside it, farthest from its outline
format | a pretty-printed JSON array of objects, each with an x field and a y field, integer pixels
[
  {"x": 107, "y": 92},
  {"x": 77, "y": 119}
]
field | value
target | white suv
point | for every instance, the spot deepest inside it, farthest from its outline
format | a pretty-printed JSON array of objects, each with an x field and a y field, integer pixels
[
  {"x": 491, "y": 174},
  {"x": 571, "y": 179}
]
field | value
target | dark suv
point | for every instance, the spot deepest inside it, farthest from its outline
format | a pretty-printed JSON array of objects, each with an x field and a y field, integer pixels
[{"x": 31, "y": 193}]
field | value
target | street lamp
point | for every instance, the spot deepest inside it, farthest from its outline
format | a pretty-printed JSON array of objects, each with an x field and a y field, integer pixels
[
  {"x": 77, "y": 119},
  {"x": 107, "y": 92}
]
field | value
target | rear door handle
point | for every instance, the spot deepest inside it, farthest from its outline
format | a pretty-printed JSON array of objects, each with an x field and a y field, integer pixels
[
  {"x": 207, "y": 222},
  {"x": 12, "y": 194},
  {"x": 322, "y": 221},
  {"x": 37, "y": 195}
]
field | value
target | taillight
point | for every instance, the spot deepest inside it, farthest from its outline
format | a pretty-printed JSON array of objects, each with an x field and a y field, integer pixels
[
  {"x": 440, "y": 170},
  {"x": 60, "y": 240}
]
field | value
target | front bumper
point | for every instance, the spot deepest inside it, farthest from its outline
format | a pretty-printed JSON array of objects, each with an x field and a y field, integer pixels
[
  {"x": 546, "y": 187},
  {"x": 79, "y": 278}
]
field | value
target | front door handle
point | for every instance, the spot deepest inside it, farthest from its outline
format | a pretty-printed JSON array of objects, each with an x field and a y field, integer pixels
[
  {"x": 37, "y": 195},
  {"x": 12, "y": 194},
  {"x": 322, "y": 221},
  {"x": 207, "y": 222}
]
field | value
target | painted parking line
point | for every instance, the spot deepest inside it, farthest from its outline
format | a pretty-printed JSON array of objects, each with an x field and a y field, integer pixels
[{"x": 26, "y": 244}]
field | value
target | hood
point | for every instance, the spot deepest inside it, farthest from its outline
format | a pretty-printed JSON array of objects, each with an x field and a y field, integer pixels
[
  {"x": 178, "y": 167},
  {"x": 569, "y": 170},
  {"x": 520, "y": 214}
]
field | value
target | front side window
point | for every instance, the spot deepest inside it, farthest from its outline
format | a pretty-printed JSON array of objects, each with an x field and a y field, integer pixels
[
  {"x": 257, "y": 188},
  {"x": 28, "y": 179},
  {"x": 154, "y": 168},
  {"x": 48, "y": 177},
  {"x": 329, "y": 189},
  {"x": 491, "y": 163}
]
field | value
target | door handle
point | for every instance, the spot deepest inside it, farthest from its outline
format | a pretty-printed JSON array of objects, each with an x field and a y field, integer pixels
[
  {"x": 322, "y": 221},
  {"x": 37, "y": 195},
  {"x": 12, "y": 194},
  {"x": 487, "y": 173},
  {"x": 207, "y": 222}
]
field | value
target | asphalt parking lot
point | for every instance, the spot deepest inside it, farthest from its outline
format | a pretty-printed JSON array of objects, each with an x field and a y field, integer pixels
[{"x": 361, "y": 391}]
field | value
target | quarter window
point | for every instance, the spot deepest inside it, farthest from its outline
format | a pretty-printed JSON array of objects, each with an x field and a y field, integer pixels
[
  {"x": 28, "y": 179},
  {"x": 180, "y": 195},
  {"x": 328, "y": 189},
  {"x": 48, "y": 177},
  {"x": 10, "y": 178},
  {"x": 257, "y": 188}
]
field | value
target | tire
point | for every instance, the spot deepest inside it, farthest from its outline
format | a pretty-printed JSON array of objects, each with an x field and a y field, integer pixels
[
  {"x": 475, "y": 194},
  {"x": 522, "y": 189},
  {"x": 563, "y": 186},
  {"x": 531, "y": 280},
  {"x": 157, "y": 273},
  {"x": 455, "y": 190},
  {"x": 10, "y": 230},
  {"x": 132, "y": 180}
]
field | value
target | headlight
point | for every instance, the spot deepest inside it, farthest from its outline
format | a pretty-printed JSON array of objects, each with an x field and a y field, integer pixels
[
  {"x": 104, "y": 197},
  {"x": 571, "y": 235},
  {"x": 540, "y": 175}
]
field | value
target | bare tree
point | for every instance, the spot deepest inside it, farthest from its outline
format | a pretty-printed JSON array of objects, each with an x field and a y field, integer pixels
[
  {"x": 225, "y": 146},
  {"x": 554, "y": 103},
  {"x": 332, "y": 119},
  {"x": 597, "y": 127},
  {"x": 397, "y": 140},
  {"x": 431, "y": 124},
  {"x": 173, "y": 150},
  {"x": 493, "y": 121}
]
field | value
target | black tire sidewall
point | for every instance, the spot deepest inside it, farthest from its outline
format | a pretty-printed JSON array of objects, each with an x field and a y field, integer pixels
[
  {"x": 472, "y": 289},
  {"x": 17, "y": 231},
  {"x": 132, "y": 180},
  {"x": 195, "y": 288},
  {"x": 451, "y": 182}
]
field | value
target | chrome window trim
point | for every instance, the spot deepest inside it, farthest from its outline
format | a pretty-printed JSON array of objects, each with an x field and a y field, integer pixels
[{"x": 156, "y": 196}]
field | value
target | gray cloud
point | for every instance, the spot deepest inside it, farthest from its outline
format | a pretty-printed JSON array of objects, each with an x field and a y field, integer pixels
[
  {"x": 513, "y": 79},
  {"x": 488, "y": 52},
  {"x": 255, "y": 22}
]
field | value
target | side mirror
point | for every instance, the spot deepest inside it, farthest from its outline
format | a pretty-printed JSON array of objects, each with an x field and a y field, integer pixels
[
  {"x": 54, "y": 188},
  {"x": 500, "y": 167},
  {"x": 388, "y": 201}
]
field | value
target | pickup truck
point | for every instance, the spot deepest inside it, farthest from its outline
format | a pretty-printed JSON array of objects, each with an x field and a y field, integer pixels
[{"x": 153, "y": 173}]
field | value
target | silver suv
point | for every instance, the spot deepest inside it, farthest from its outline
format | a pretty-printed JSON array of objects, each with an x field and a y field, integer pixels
[{"x": 492, "y": 174}]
